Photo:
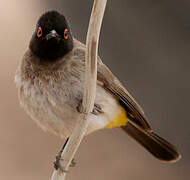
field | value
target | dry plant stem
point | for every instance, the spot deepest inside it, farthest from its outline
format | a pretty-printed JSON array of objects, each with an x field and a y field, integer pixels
[{"x": 89, "y": 89}]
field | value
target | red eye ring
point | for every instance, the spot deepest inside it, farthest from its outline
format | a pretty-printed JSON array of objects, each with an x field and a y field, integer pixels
[
  {"x": 66, "y": 34},
  {"x": 39, "y": 33}
]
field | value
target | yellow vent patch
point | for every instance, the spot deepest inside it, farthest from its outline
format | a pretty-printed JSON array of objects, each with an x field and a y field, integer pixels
[{"x": 120, "y": 120}]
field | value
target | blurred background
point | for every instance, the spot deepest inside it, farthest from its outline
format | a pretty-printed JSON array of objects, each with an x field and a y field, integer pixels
[{"x": 147, "y": 45}]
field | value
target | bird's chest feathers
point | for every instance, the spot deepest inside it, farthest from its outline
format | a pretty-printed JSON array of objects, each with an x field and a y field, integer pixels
[
  {"x": 50, "y": 101},
  {"x": 58, "y": 88}
]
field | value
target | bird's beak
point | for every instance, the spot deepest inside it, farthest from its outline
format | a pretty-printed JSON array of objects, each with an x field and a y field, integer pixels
[{"x": 52, "y": 35}]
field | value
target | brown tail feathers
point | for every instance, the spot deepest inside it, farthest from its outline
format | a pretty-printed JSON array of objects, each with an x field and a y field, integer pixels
[{"x": 156, "y": 145}]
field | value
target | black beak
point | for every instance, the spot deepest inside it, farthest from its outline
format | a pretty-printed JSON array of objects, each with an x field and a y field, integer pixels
[{"x": 52, "y": 35}]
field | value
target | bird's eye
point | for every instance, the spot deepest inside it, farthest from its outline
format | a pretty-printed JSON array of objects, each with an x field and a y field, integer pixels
[
  {"x": 39, "y": 33},
  {"x": 66, "y": 34}
]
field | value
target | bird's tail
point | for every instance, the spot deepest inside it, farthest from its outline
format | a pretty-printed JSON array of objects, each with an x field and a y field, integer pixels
[{"x": 156, "y": 145}]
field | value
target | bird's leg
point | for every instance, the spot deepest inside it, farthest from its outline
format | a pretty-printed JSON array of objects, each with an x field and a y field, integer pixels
[
  {"x": 96, "y": 110},
  {"x": 58, "y": 157}
]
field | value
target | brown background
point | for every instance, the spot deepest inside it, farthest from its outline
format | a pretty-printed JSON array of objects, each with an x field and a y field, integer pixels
[{"x": 147, "y": 45}]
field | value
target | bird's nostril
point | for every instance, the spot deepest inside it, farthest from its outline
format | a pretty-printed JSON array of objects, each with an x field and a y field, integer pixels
[{"x": 51, "y": 36}]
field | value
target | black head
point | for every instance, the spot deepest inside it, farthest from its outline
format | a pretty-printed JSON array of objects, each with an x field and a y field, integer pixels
[{"x": 52, "y": 38}]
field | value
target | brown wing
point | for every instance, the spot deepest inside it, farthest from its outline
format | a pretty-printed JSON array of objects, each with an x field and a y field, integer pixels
[{"x": 112, "y": 84}]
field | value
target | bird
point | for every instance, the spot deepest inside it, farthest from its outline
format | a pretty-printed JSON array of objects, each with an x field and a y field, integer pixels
[{"x": 50, "y": 82}]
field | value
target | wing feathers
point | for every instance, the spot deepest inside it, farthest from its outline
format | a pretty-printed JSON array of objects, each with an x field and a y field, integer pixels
[{"x": 112, "y": 84}]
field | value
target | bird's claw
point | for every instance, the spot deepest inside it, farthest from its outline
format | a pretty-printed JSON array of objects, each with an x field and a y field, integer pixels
[
  {"x": 79, "y": 107},
  {"x": 73, "y": 163},
  {"x": 96, "y": 110},
  {"x": 56, "y": 163}
]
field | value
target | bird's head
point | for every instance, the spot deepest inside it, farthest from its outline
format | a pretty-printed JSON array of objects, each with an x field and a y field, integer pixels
[{"x": 52, "y": 38}]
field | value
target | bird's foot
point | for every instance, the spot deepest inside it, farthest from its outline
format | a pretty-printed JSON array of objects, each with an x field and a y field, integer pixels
[
  {"x": 58, "y": 158},
  {"x": 96, "y": 110}
]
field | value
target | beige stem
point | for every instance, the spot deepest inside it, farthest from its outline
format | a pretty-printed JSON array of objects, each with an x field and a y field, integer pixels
[{"x": 89, "y": 89}]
